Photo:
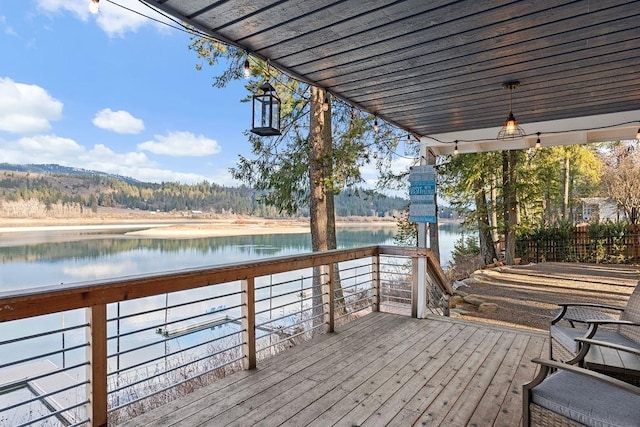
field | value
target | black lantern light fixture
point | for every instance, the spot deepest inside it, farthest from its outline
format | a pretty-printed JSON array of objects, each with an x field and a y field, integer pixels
[
  {"x": 266, "y": 112},
  {"x": 510, "y": 129}
]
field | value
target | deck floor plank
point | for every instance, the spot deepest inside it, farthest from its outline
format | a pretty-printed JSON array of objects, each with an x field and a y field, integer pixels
[
  {"x": 342, "y": 362},
  {"x": 342, "y": 385},
  {"x": 175, "y": 411},
  {"x": 380, "y": 407},
  {"x": 287, "y": 375},
  {"x": 382, "y": 369},
  {"x": 437, "y": 411},
  {"x": 511, "y": 408},
  {"x": 360, "y": 402},
  {"x": 487, "y": 411},
  {"x": 475, "y": 390},
  {"x": 426, "y": 387}
]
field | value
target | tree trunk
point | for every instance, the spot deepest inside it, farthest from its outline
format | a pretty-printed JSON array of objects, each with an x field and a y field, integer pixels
[
  {"x": 319, "y": 221},
  {"x": 510, "y": 200},
  {"x": 565, "y": 198},
  {"x": 434, "y": 240},
  {"x": 487, "y": 248},
  {"x": 494, "y": 211},
  {"x": 505, "y": 191},
  {"x": 321, "y": 203}
]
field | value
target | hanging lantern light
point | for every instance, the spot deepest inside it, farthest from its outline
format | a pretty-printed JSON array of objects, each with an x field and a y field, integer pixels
[
  {"x": 511, "y": 129},
  {"x": 266, "y": 112}
]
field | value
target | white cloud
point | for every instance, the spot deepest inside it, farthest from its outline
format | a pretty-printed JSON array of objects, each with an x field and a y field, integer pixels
[
  {"x": 112, "y": 19},
  {"x": 118, "y": 121},
  {"x": 181, "y": 144},
  {"x": 101, "y": 157},
  {"x": 100, "y": 270},
  {"x": 50, "y": 145},
  {"x": 80, "y": 8},
  {"x": 43, "y": 149},
  {"x": 7, "y": 29},
  {"x": 26, "y": 108}
]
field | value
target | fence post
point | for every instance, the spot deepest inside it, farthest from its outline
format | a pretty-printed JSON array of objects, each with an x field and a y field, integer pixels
[
  {"x": 248, "y": 323},
  {"x": 97, "y": 368},
  {"x": 375, "y": 277},
  {"x": 328, "y": 299}
]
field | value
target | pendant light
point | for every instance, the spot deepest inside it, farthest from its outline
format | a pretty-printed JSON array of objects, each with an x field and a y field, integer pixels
[{"x": 510, "y": 129}]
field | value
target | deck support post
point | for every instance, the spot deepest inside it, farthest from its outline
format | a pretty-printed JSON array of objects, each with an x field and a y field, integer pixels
[
  {"x": 375, "y": 278},
  {"x": 248, "y": 323},
  {"x": 97, "y": 368},
  {"x": 419, "y": 267},
  {"x": 328, "y": 298}
]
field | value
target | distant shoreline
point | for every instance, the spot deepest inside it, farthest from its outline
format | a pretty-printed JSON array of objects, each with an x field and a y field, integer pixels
[{"x": 175, "y": 228}]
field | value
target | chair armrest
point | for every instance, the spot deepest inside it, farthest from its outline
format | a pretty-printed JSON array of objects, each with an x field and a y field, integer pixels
[
  {"x": 612, "y": 322},
  {"x": 579, "y": 315},
  {"x": 591, "y": 331},
  {"x": 620, "y": 347},
  {"x": 581, "y": 371},
  {"x": 590, "y": 304}
]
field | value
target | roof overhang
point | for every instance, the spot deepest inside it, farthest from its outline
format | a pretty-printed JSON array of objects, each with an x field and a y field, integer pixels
[{"x": 436, "y": 68}]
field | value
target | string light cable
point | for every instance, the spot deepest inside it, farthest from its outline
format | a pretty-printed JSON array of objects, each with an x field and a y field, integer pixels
[
  {"x": 191, "y": 30},
  {"x": 539, "y": 133},
  {"x": 180, "y": 26}
]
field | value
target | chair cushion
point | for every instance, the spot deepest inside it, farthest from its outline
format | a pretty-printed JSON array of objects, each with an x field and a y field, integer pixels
[
  {"x": 587, "y": 400},
  {"x": 566, "y": 336}
]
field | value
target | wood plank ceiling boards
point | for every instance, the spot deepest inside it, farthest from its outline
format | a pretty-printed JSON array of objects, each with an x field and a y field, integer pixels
[{"x": 436, "y": 68}]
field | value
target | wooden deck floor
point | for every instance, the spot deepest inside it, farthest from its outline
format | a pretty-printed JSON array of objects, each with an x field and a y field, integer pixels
[{"x": 382, "y": 369}]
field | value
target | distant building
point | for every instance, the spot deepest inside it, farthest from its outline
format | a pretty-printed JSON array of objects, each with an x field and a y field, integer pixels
[{"x": 600, "y": 209}]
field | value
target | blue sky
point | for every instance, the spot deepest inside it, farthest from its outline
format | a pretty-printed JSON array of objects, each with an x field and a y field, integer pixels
[{"x": 114, "y": 92}]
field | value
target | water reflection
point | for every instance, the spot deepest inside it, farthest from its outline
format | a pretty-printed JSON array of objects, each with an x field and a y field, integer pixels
[
  {"x": 83, "y": 257},
  {"x": 76, "y": 257}
]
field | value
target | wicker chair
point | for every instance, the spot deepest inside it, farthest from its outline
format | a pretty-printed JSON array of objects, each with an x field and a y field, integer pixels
[
  {"x": 567, "y": 346},
  {"x": 573, "y": 396}
]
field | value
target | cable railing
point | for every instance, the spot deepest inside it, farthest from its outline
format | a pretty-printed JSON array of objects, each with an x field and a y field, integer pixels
[{"x": 107, "y": 351}]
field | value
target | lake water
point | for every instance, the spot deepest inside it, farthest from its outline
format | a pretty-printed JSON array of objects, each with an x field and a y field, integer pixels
[
  {"x": 70, "y": 257},
  {"x": 53, "y": 258}
]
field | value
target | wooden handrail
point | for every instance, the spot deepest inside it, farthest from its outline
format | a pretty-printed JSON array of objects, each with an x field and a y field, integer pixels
[
  {"x": 20, "y": 304},
  {"x": 94, "y": 296}
]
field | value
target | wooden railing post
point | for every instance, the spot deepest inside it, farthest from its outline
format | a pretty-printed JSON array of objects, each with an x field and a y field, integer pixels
[
  {"x": 248, "y": 323},
  {"x": 97, "y": 368},
  {"x": 375, "y": 278},
  {"x": 328, "y": 299},
  {"x": 415, "y": 285}
]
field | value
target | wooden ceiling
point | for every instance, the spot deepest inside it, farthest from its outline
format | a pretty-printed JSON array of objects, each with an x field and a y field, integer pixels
[{"x": 435, "y": 67}]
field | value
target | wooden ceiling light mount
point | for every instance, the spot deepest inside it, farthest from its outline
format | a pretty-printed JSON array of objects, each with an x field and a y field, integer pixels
[{"x": 510, "y": 128}]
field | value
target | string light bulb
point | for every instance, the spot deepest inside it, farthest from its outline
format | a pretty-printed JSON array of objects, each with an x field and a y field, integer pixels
[
  {"x": 538, "y": 145},
  {"x": 455, "y": 149},
  {"x": 247, "y": 69},
  {"x": 376, "y": 128},
  {"x": 94, "y": 6}
]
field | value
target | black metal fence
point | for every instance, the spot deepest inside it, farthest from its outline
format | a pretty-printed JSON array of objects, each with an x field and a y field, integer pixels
[{"x": 611, "y": 249}]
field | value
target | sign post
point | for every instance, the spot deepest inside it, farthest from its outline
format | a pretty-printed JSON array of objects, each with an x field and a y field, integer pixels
[{"x": 422, "y": 209}]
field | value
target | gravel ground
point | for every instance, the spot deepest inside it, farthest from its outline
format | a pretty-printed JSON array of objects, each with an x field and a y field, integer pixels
[{"x": 527, "y": 295}]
